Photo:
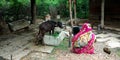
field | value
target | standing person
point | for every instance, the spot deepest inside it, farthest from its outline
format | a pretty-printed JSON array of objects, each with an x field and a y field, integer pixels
[{"x": 83, "y": 41}]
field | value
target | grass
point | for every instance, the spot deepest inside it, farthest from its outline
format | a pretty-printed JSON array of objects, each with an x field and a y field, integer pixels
[
  {"x": 63, "y": 45},
  {"x": 52, "y": 58},
  {"x": 55, "y": 34},
  {"x": 118, "y": 53}
]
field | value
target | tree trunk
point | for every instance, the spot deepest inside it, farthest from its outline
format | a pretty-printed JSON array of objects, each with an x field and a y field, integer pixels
[
  {"x": 75, "y": 10},
  {"x": 33, "y": 11}
]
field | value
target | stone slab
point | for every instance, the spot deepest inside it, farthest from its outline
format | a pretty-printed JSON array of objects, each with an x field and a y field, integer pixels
[
  {"x": 113, "y": 42},
  {"x": 16, "y": 25},
  {"x": 102, "y": 35},
  {"x": 107, "y": 39},
  {"x": 50, "y": 40},
  {"x": 55, "y": 41},
  {"x": 44, "y": 49}
]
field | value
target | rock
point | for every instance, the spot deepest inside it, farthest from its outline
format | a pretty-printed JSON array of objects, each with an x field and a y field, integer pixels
[
  {"x": 113, "y": 43},
  {"x": 1, "y": 58},
  {"x": 107, "y": 50}
]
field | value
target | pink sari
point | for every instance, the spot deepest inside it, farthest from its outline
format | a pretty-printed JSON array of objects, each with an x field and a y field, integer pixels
[{"x": 88, "y": 48}]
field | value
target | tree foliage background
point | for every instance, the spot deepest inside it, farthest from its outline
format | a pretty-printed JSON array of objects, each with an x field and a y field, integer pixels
[{"x": 18, "y": 9}]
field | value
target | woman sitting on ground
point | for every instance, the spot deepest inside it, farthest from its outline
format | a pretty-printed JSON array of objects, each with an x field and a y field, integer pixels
[{"x": 83, "y": 41}]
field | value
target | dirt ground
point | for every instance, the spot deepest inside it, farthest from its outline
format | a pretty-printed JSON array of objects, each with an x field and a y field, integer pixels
[
  {"x": 62, "y": 52},
  {"x": 18, "y": 45}
]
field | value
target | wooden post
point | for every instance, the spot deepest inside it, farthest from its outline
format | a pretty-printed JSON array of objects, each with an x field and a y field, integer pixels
[
  {"x": 11, "y": 57},
  {"x": 33, "y": 11},
  {"x": 102, "y": 13},
  {"x": 75, "y": 9},
  {"x": 70, "y": 10}
]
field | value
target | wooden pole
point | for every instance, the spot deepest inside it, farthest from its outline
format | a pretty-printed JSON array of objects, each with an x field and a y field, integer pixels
[
  {"x": 75, "y": 9},
  {"x": 70, "y": 10},
  {"x": 102, "y": 13},
  {"x": 33, "y": 11},
  {"x": 11, "y": 57}
]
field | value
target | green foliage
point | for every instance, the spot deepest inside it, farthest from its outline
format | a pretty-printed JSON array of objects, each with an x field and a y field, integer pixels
[
  {"x": 82, "y": 8},
  {"x": 63, "y": 7},
  {"x": 53, "y": 2},
  {"x": 18, "y": 9},
  {"x": 15, "y": 10},
  {"x": 24, "y": 2},
  {"x": 42, "y": 8}
]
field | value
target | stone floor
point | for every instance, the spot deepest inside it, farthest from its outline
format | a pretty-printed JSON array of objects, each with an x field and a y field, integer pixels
[
  {"x": 20, "y": 45},
  {"x": 102, "y": 38}
]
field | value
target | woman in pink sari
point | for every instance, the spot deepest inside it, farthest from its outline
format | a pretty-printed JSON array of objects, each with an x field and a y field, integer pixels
[{"x": 83, "y": 41}]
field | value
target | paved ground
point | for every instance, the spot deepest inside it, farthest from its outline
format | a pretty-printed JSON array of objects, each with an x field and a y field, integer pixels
[
  {"x": 21, "y": 47},
  {"x": 64, "y": 53},
  {"x": 21, "y": 43}
]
